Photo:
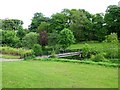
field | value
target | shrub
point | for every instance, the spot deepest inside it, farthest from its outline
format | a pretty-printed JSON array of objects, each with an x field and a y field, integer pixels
[
  {"x": 112, "y": 38},
  {"x": 87, "y": 51},
  {"x": 53, "y": 55},
  {"x": 37, "y": 49},
  {"x": 98, "y": 57},
  {"x": 16, "y": 51},
  {"x": 66, "y": 38},
  {"x": 30, "y": 39},
  {"x": 9, "y": 38}
]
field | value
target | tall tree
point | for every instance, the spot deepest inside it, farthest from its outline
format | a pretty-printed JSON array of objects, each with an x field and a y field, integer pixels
[
  {"x": 112, "y": 19},
  {"x": 99, "y": 32},
  {"x": 79, "y": 24},
  {"x": 58, "y": 22},
  {"x": 36, "y": 21}
]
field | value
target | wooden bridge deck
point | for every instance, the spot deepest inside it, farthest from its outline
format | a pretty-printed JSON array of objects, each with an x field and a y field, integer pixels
[{"x": 68, "y": 54}]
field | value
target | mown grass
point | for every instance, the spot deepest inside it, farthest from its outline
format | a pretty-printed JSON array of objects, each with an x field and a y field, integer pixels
[
  {"x": 6, "y": 56},
  {"x": 45, "y": 74},
  {"x": 85, "y": 61}
]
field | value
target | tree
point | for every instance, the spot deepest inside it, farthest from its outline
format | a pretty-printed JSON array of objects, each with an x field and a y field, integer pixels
[
  {"x": 66, "y": 38},
  {"x": 43, "y": 26},
  {"x": 43, "y": 39},
  {"x": 58, "y": 22},
  {"x": 12, "y": 24},
  {"x": 21, "y": 33},
  {"x": 99, "y": 31},
  {"x": 0, "y": 24},
  {"x": 79, "y": 22},
  {"x": 9, "y": 38},
  {"x": 53, "y": 39},
  {"x": 112, "y": 19},
  {"x": 36, "y": 21},
  {"x": 37, "y": 49},
  {"x": 30, "y": 39}
]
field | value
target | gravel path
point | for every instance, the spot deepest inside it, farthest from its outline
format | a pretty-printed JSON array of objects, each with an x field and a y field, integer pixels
[{"x": 9, "y": 60}]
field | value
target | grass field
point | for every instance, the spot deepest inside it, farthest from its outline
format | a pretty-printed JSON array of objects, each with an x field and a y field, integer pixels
[
  {"x": 45, "y": 74},
  {"x": 97, "y": 46}
]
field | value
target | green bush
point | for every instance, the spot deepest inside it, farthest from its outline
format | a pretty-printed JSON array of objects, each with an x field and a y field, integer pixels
[
  {"x": 29, "y": 40},
  {"x": 53, "y": 55},
  {"x": 98, "y": 58},
  {"x": 66, "y": 38},
  {"x": 16, "y": 51},
  {"x": 87, "y": 51},
  {"x": 9, "y": 38},
  {"x": 37, "y": 49},
  {"x": 112, "y": 38}
]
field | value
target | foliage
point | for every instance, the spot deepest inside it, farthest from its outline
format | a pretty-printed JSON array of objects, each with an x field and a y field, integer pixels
[
  {"x": 36, "y": 21},
  {"x": 112, "y": 38},
  {"x": 98, "y": 58},
  {"x": 43, "y": 40},
  {"x": 87, "y": 51},
  {"x": 30, "y": 39},
  {"x": 9, "y": 56},
  {"x": 53, "y": 39},
  {"x": 21, "y": 33},
  {"x": 112, "y": 19},
  {"x": 66, "y": 38},
  {"x": 58, "y": 22},
  {"x": 53, "y": 55},
  {"x": 110, "y": 49},
  {"x": 9, "y": 38},
  {"x": 43, "y": 27},
  {"x": 16, "y": 51},
  {"x": 37, "y": 49},
  {"x": 98, "y": 30},
  {"x": 12, "y": 24}
]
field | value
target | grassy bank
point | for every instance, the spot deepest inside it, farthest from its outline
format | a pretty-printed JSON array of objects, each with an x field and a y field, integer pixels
[{"x": 42, "y": 74}]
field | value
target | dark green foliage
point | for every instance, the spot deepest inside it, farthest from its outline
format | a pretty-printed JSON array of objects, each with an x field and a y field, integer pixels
[
  {"x": 37, "y": 49},
  {"x": 66, "y": 38},
  {"x": 99, "y": 32},
  {"x": 112, "y": 19},
  {"x": 29, "y": 40},
  {"x": 58, "y": 22},
  {"x": 12, "y": 24},
  {"x": 43, "y": 27},
  {"x": 21, "y": 33},
  {"x": 53, "y": 39},
  {"x": 36, "y": 21}
]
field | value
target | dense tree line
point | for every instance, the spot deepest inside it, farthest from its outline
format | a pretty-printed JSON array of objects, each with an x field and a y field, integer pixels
[{"x": 80, "y": 25}]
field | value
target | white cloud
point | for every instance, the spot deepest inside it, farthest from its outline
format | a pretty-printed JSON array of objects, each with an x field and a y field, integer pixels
[{"x": 24, "y": 9}]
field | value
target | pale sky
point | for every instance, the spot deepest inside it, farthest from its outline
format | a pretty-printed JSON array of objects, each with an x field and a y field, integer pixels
[{"x": 25, "y": 9}]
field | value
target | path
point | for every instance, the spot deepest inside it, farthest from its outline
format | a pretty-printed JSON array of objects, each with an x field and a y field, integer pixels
[
  {"x": 44, "y": 56},
  {"x": 9, "y": 60}
]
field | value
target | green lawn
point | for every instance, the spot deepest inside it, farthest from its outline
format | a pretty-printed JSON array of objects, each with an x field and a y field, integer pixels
[
  {"x": 97, "y": 46},
  {"x": 46, "y": 74}
]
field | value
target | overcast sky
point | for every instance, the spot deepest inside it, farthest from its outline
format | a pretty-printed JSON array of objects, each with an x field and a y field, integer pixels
[{"x": 25, "y": 9}]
